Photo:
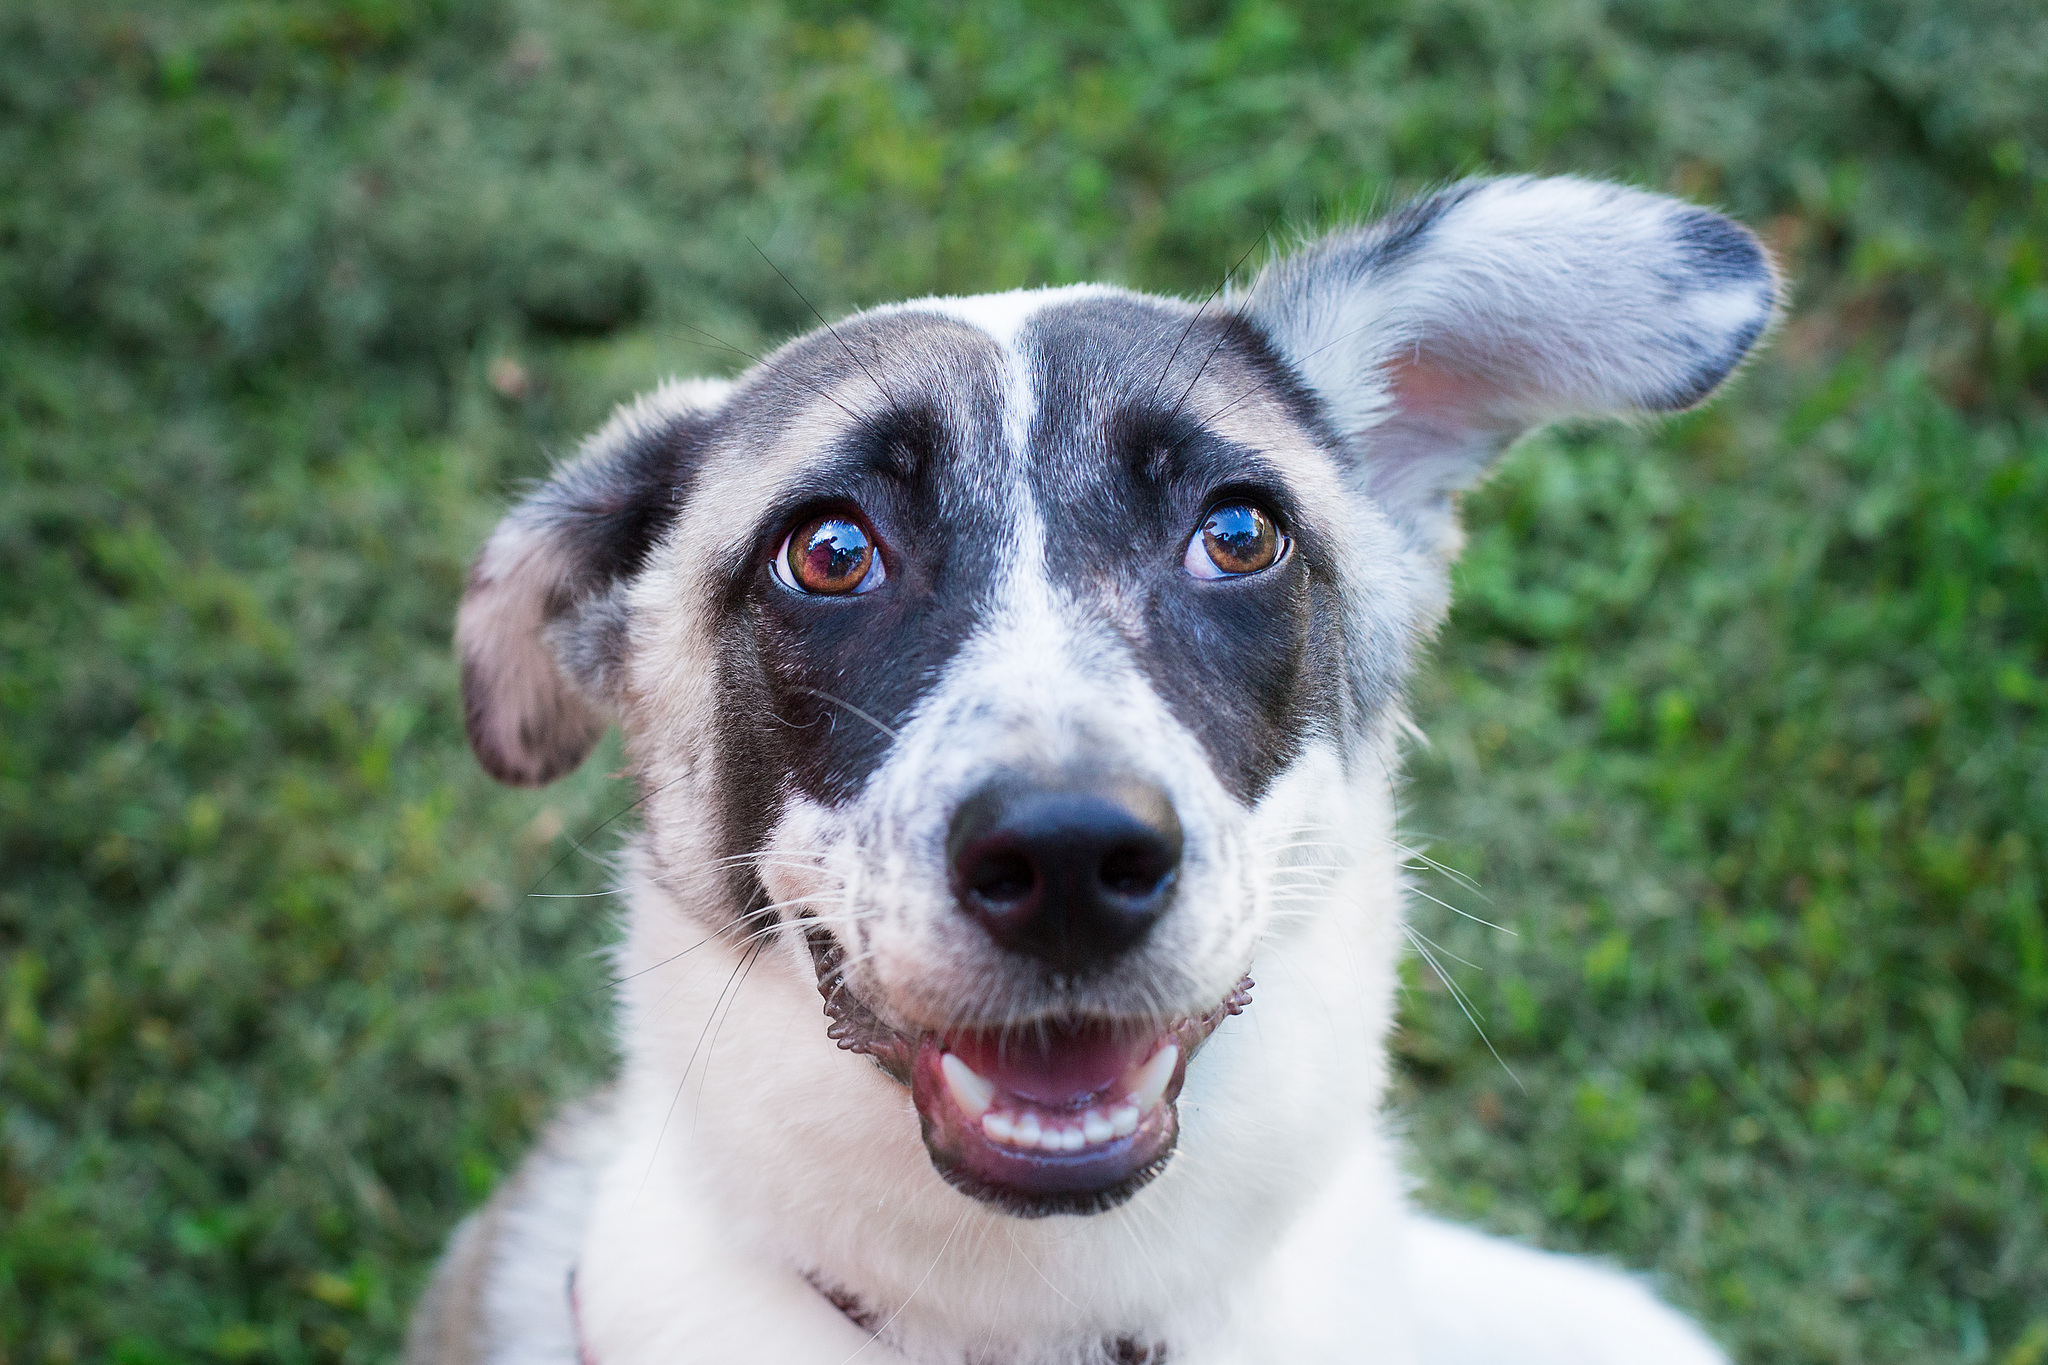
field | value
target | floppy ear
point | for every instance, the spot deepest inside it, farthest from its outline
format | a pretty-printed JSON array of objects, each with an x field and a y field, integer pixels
[
  {"x": 542, "y": 629},
  {"x": 1442, "y": 332}
]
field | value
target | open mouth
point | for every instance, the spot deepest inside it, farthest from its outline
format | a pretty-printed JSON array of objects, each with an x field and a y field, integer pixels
[{"x": 1045, "y": 1117}]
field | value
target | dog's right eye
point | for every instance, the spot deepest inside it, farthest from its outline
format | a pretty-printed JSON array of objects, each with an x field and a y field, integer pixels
[
  {"x": 1235, "y": 540},
  {"x": 831, "y": 554}
]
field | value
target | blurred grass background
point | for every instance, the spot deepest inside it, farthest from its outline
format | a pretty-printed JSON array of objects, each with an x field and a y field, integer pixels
[{"x": 1741, "y": 724}]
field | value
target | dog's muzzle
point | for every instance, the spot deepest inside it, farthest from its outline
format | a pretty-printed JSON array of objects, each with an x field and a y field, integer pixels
[{"x": 1048, "y": 1114}]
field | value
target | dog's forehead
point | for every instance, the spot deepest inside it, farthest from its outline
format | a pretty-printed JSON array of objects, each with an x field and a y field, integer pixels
[
  {"x": 1029, "y": 387},
  {"x": 1082, "y": 361},
  {"x": 829, "y": 389}
]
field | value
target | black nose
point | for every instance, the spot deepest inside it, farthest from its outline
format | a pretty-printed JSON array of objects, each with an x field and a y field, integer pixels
[{"x": 1072, "y": 875}]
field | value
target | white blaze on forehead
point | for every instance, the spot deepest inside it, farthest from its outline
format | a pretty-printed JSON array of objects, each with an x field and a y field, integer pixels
[
  {"x": 1003, "y": 318},
  {"x": 1030, "y": 666},
  {"x": 1027, "y": 643}
]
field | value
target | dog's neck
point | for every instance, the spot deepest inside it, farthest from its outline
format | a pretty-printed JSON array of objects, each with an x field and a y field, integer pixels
[
  {"x": 873, "y": 1321},
  {"x": 1124, "y": 1350}
]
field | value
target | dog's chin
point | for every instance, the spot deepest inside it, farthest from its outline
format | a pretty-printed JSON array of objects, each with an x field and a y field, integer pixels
[{"x": 1046, "y": 1116}]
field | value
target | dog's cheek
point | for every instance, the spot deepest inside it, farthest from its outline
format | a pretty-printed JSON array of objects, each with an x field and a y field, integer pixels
[
  {"x": 887, "y": 897},
  {"x": 1252, "y": 671},
  {"x": 750, "y": 790},
  {"x": 1296, "y": 845},
  {"x": 804, "y": 867}
]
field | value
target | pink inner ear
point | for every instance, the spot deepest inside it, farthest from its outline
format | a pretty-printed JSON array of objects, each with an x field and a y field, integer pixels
[
  {"x": 1442, "y": 427},
  {"x": 1426, "y": 388}
]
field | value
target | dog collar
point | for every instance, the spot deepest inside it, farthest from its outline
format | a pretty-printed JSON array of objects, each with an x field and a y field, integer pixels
[{"x": 1122, "y": 1350}]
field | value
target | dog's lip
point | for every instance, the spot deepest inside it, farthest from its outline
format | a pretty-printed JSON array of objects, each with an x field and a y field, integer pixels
[
  {"x": 1057, "y": 1116},
  {"x": 856, "y": 1027},
  {"x": 1041, "y": 1116}
]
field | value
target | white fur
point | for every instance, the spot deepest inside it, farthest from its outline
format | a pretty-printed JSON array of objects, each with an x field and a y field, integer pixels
[{"x": 743, "y": 1161}]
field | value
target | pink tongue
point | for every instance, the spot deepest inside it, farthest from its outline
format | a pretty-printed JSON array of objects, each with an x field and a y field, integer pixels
[{"x": 1058, "y": 1067}]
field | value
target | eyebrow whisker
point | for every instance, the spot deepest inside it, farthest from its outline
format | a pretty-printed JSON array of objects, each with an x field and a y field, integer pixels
[
  {"x": 1264, "y": 235},
  {"x": 1220, "y": 286},
  {"x": 887, "y": 397},
  {"x": 809, "y": 384},
  {"x": 1260, "y": 386}
]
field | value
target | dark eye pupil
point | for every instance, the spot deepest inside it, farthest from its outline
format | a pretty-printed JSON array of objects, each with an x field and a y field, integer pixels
[
  {"x": 1240, "y": 538},
  {"x": 831, "y": 555}
]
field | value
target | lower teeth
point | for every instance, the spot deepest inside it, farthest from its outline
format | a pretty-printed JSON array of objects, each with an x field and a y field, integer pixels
[
  {"x": 974, "y": 1095},
  {"x": 1089, "y": 1130}
]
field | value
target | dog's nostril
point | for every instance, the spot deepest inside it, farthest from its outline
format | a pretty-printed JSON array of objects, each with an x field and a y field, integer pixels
[
  {"x": 1135, "y": 869},
  {"x": 1002, "y": 876}
]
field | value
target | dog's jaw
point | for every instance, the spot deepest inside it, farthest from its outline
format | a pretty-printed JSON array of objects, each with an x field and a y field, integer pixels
[
  {"x": 1042, "y": 1118},
  {"x": 796, "y": 1153},
  {"x": 1069, "y": 1118}
]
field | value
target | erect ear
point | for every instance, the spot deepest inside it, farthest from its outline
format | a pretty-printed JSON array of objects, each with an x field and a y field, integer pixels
[
  {"x": 1437, "y": 335},
  {"x": 542, "y": 629}
]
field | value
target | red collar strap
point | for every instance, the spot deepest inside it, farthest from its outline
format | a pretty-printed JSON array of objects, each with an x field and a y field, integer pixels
[
  {"x": 583, "y": 1356},
  {"x": 1122, "y": 1351}
]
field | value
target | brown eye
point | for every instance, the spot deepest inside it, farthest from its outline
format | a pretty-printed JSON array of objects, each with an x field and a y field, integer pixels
[
  {"x": 830, "y": 555},
  {"x": 1236, "y": 538}
]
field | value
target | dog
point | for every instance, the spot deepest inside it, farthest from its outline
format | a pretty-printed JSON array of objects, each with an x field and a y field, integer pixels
[{"x": 1014, "y": 687}]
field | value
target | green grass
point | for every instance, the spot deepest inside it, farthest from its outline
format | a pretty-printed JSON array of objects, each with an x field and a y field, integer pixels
[{"x": 1741, "y": 724}]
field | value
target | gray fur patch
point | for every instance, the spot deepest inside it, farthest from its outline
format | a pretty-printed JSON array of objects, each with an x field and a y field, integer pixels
[{"x": 1439, "y": 334}]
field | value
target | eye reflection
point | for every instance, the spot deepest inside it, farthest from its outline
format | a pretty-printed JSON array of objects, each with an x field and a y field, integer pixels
[
  {"x": 829, "y": 555},
  {"x": 1235, "y": 539}
]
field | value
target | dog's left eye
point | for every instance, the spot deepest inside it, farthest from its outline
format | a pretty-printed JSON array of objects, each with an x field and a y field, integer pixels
[
  {"x": 1235, "y": 539},
  {"x": 832, "y": 554}
]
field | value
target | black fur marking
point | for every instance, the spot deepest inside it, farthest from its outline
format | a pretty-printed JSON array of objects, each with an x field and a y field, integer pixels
[
  {"x": 812, "y": 687},
  {"x": 1719, "y": 250},
  {"x": 610, "y": 512},
  {"x": 1252, "y": 666},
  {"x": 1347, "y": 259},
  {"x": 595, "y": 522},
  {"x": 1718, "y": 253}
]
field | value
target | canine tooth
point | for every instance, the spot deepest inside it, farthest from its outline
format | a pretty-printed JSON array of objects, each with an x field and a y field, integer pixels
[
  {"x": 1072, "y": 1140},
  {"x": 1148, "y": 1087},
  {"x": 1027, "y": 1131},
  {"x": 1095, "y": 1127},
  {"x": 998, "y": 1125},
  {"x": 971, "y": 1092},
  {"x": 1123, "y": 1120}
]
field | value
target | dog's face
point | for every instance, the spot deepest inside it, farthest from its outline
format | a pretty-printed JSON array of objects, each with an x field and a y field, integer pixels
[
  {"x": 1006, "y": 652},
  {"x": 1011, "y": 651}
]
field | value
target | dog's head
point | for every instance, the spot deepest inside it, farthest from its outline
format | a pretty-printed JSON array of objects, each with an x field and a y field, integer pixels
[{"x": 1003, "y": 651}]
